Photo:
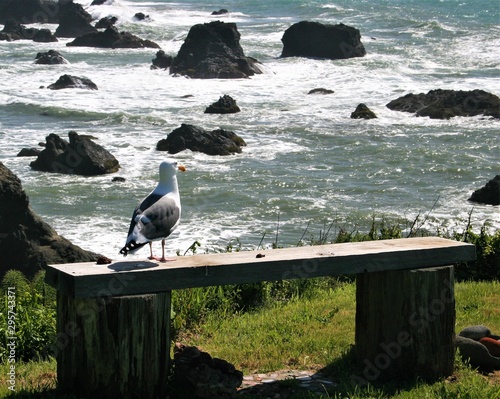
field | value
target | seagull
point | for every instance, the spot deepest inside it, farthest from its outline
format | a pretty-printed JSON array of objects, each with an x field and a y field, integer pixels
[{"x": 157, "y": 215}]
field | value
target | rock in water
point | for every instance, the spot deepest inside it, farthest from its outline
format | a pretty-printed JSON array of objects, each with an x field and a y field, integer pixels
[
  {"x": 162, "y": 60},
  {"x": 363, "y": 112},
  {"x": 189, "y": 137},
  {"x": 27, "y": 243},
  {"x": 13, "y": 30},
  {"x": 316, "y": 40},
  {"x": 50, "y": 57},
  {"x": 111, "y": 38},
  {"x": 225, "y": 105},
  {"x": 30, "y": 11},
  {"x": 489, "y": 194},
  {"x": 81, "y": 156},
  {"x": 445, "y": 104},
  {"x": 213, "y": 50},
  {"x": 72, "y": 82},
  {"x": 74, "y": 21}
]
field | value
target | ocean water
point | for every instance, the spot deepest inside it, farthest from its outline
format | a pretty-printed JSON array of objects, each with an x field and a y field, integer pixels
[{"x": 307, "y": 166}]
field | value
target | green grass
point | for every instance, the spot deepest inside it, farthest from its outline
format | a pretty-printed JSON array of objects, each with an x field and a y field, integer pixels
[{"x": 313, "y": 332}]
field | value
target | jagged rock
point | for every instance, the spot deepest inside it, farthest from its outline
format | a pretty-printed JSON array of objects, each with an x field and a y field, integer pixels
[
  {"x": 29, "y": 11},
  {"x": 216, "y": 142},
  {"x": 162, "y": 60},
  {"x": 27, "y": 243},
  {"x": 72, "y": 82},
  {"x": 363, "y": 112},
  {"x": 203, "y": 376},
  {"x": 74, "y": 21},
  {"x": 80, "y": 156},
  {"x": 225, "y": 105},
  {"x": 222, "y": 11},
  {"x": 29, "y": 152},
  {"x": 321, "y": 90},
  {"x": 13, "y": 30},
  {"x": 445, "y": 104},
  {"x": 140, "y": 16},
  {"x": 213, "y": 50},
  {"x": 50, "y": 57},
  {"x": 317, "y": 40},
  {"x": 111, "y": 38},
  {"x": 105, "y": 22},
  {"x": 489, "y": 194},
  {"x": 101, "y": 2}
]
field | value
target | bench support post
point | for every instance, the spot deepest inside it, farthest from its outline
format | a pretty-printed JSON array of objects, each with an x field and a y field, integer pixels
[
  {"x": 114, "y": 347},
  {"x": 405, "y": 323}
]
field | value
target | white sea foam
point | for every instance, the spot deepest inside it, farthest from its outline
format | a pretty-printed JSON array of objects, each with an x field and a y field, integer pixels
[{"x": 306, "y": 160}]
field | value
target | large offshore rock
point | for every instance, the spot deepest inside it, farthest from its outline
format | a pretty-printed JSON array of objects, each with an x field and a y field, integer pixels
[
  {"x": 317, "y": 40},
  {"x": 74, "y": 21},
  {"x": 13, "y": 30},
  {"x": 111, "y": 38},
  {"x": 81, "y": 156},
  {"x": 189, "y": 137},
  {"x": 445, "y": 104},
  {"x": 213, "y": 50},
  {"x": 72, "y": 82},
  {"x": 30, "y": 11}
]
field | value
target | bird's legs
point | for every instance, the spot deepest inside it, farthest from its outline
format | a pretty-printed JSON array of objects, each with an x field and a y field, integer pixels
[{"x": 162, "y": 259}]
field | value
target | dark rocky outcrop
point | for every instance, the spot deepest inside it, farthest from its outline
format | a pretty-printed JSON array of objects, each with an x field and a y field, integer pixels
[
  {"x": 189, "y": 137},
  {"x": 13, "y": 30},
  {"x": 106, "y": 22},
  {"x": 204, "y": 376},
  {"x": 50, "y": 57},
  {"x": 140, "y": 16},
  {"x": 100, "y": 2},
  {"x": 111, "y": 38},
  {"x": 489, "y": 194},
  {"x": 162, "y": 60},
  {"x": 81, "y": 156},
  {"x": 213, "y": 50},
  {"x": 363, "y": 112},
  {"x": 29, "y": 11},
  {"x": 320, "y": 90},
  {"x": 224, "y": 105},
  {"x": 445, "y": 104},
  {"x": 222, "y": 11},
  {"x": 74, "y": 21},
  {"x": 29, "y": 152},
  {"x": 72, "y": 82},
  {"x": 317, "y": 40},
  {"x": 27, "y": 243}
]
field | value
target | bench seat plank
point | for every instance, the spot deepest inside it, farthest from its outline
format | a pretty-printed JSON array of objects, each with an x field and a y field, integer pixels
[{"x": 89, "y": 280}]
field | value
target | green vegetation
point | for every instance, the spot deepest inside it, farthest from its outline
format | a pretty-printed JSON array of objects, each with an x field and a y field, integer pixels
[{"x": 298, "y": 324}]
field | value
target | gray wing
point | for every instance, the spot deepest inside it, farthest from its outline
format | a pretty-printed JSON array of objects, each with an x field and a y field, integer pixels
[{"x": 163, "y": 215}]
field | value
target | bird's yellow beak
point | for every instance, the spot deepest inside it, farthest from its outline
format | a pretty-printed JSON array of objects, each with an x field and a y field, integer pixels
[{"x": 182, "y": 168}]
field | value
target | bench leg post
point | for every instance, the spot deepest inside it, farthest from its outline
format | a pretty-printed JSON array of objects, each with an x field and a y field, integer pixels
[
  {"x": 114, "y": 347},
  {"x": 405, "y": 323}
]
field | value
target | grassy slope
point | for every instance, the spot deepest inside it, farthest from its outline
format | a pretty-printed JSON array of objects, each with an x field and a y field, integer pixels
[{"x": 310, "y": 334}]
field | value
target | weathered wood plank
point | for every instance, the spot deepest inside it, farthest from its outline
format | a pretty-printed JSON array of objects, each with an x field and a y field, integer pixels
[{"x": 86, "y": 280}]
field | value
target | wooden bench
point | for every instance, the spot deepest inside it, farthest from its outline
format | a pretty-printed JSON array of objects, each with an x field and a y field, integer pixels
[{"x": 113, "y": 321}]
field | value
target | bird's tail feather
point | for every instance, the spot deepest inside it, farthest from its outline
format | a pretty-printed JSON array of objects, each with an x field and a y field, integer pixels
[{"x": 131, "y": 247}]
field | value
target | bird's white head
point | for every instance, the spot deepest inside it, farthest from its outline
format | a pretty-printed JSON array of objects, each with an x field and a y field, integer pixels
[
  {"x": 168, "y": 178},
  {"x": 169, "y": 168}
]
